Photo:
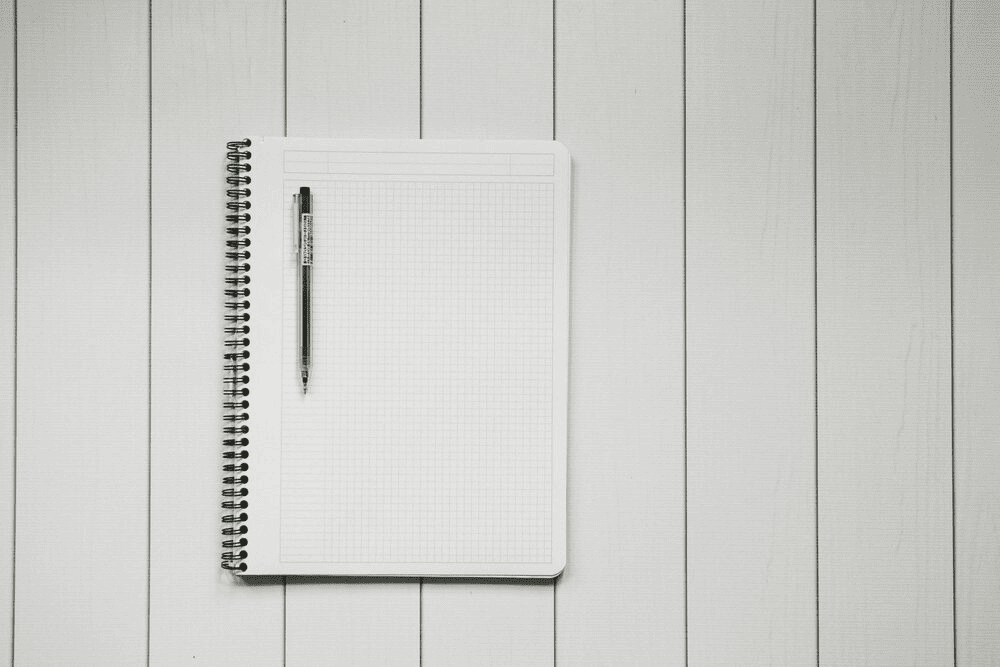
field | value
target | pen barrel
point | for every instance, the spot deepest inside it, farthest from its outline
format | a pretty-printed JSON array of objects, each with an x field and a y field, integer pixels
[
  {"x": 303, "y": 203},
  {"x": 305, "y": 328}
]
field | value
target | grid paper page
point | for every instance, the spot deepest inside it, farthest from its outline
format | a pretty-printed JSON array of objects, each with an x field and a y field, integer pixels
[{"x": 426, "y": 435}]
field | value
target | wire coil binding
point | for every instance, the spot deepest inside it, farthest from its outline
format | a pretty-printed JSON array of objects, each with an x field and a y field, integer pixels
[{"x": 236, "y": 388}]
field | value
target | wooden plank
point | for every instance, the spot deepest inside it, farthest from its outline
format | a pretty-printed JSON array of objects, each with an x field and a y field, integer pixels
[
  {"x": 217, "y": 76},
  {"x": 976, "y": 331},
  {"x": 353, "y": 71},
  {"x": 619, "y": 111},
  {"x": 83, "y": 333},
  {"x": 508, "y": 623},
  {"x": 487, "y": 74},
  {"x": 487, "y": 69},
  {"x": 8, "y": 277},
  {"x": 750, "y": 334},
  {"x": 885, "y": 506}
]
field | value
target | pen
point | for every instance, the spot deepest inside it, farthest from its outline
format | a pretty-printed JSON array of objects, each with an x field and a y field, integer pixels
[{"x": 304, "y": 220}]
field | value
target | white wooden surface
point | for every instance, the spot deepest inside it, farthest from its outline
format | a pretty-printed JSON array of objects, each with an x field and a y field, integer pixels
[
  {"x": 207, "y": 78},
  {"x": 750, "y": 332},
  {"x": 8, "y": 257},
  {"x": 706, "y": 400},
  {"x": 83, "y": 299},
  {"x": 619, "y": 84},
  {"x": 977, "y": 329},
  {"x": 884, "y": 362}
]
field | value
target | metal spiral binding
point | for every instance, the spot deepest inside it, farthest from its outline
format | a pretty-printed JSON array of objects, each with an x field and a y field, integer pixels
[{"x": 237, "y": 366}]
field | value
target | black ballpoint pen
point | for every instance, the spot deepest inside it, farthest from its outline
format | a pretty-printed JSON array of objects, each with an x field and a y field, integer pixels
[{"x": 304, "y": 220}]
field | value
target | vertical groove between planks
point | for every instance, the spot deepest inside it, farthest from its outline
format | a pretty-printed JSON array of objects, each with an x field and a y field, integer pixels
[
  {"x": 420, "y": 135},
  {"x": 284, "y": 123},
  {"x": 555, "y": 582},
  {"x": 420, "y": 102},
  {"x": 149, "y": 329},
  {"x": 951, "y": 316},
  {"x": 815, "y": 329},
  {"x": 684, "y": 298},
  {"x": 975, "y": 298},
  {"x": 553, "y": 90},
  {"x": 13, "y": 555},
  {"x": 284, "y": 67}
]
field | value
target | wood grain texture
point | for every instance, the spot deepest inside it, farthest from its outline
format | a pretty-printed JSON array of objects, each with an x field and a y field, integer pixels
[
  {"x": 750, "y": 332},
  {"x": 487, "y": 74},
  {"x": 90, "y": 370},
  {"x": 217, "y": 76},
  {"x": 487, "y": 69},
  {"x": 885, "y": 524},
  {"x": 353, "y": 71},
  {"x": 977, "y": 330},
  {"x": 8, "y": 278},
  {"x": 619, "y": 111},
  {"x": 83, "y": 334},
  {"x": 333, "y": 621},
  {"x": 485, "y": 623}
]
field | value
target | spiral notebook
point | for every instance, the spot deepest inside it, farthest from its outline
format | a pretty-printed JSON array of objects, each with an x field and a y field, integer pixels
[{"x": 432, "y": 438}]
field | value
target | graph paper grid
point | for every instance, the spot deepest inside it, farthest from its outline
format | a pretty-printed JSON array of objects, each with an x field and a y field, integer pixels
[{"x": 426, "y": 434}]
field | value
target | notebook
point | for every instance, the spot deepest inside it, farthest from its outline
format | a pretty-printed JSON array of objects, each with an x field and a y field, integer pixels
[{"x": 431, "y": 439}]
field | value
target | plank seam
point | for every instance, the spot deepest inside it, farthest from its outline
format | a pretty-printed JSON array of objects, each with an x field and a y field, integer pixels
[
  {"x": 555, "y": 582},
  {"x": 684, "y": 289},
  {"x": 284, "y": 66},
  {"x": 420, "y": 88},
  {"x": 284, "y": 112},
  {"x": 951, "y": 316},
  {"x": 816, "y": 318},
  {"x": 149, "y": 342},
  {"x": 13, "y": 555},
  {"x": 420, "y": 622},
  {"x": 420, "y": 135}
]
